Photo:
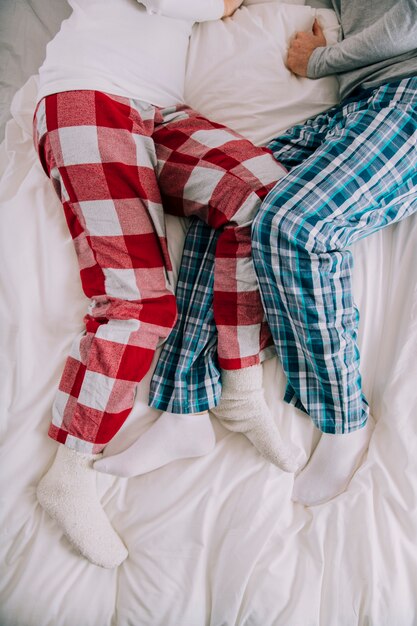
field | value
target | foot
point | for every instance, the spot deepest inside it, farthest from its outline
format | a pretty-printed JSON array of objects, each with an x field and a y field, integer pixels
[
  {"x": 170, "y": 438},
  {"x": 331, "y": 466},
  {"x": 68, "y": 494},
  {"x": 243, "y": 409}
]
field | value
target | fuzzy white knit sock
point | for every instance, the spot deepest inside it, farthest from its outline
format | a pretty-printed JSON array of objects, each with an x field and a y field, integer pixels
[
  {"x": 331, "y": 466},
  {"x": 171, "y": 437},
  {"x": 243, "y": 409},
  {"x": 68, "y": 494}
]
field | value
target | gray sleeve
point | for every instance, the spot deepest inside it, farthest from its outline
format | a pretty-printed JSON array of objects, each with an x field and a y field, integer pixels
[{"x": 393, "y": 34}]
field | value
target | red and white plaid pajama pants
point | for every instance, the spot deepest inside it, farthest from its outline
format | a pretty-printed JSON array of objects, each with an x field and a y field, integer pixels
[{"x": 117, "y": 165}]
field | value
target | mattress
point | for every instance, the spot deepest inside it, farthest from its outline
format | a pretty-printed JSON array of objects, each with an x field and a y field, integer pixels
[{"x": 216, "y": 540}]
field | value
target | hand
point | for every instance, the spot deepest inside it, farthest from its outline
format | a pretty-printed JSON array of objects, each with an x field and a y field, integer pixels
[
  {"x": 302, "y": 47},
  {"x": 230, "y": 7}
]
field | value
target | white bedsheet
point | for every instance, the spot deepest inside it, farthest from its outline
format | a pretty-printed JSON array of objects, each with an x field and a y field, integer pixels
[{"x": 212, "y": 541}]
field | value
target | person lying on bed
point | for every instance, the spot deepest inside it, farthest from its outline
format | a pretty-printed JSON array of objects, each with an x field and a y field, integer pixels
[
  {"x": 352, "y": 171},
  {"x": 118, "y": 142}
]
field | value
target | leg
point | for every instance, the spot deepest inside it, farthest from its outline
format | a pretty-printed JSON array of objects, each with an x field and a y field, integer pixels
[
  {"x": 99, "y": 154},
  {"x": 96, "y": 150},
  {"x": 172, "y": 437},
  {"x": 186, "y": 377},
  {"x": 361, "y": 179},
  {"x": 209, "y": 171}
]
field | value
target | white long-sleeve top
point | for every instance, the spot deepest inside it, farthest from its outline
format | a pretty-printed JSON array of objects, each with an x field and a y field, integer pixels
[{"x": 126, "y": 48}]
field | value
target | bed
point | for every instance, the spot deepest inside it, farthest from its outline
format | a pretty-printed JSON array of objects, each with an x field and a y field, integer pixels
[{"x": 217, "y": 540}]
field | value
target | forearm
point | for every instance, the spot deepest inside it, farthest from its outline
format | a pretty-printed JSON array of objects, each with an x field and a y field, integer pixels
[
  {"x": 391, "y": 35},
  {"x": 194, "y": 10}
]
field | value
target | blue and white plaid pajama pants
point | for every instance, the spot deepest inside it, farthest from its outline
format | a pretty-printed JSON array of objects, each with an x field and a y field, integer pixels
[{"x": 352, "y": 171}]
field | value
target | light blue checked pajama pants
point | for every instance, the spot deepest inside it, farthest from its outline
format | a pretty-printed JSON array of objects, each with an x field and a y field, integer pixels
[{"x": 352, "y": 171}]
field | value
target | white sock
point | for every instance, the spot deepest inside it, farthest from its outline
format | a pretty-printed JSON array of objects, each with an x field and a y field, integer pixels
[
  {"x": 171, "y": 437},
  {"x": 68, "y": 494},
  {"x": 332, "y": 465},
  {"x": 243, "y": 409}
]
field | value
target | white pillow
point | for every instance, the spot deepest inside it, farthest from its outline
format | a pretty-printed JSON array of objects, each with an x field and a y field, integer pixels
[
  {"x": 247, "y": 3},
  {"x": 236, "y": 72}
]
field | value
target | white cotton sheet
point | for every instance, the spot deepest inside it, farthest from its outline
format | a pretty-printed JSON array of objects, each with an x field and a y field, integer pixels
[{"x": 213, "y": 541}]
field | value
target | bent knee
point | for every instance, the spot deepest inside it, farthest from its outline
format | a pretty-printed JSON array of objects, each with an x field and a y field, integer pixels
[{"x": 288, "y": 226}]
